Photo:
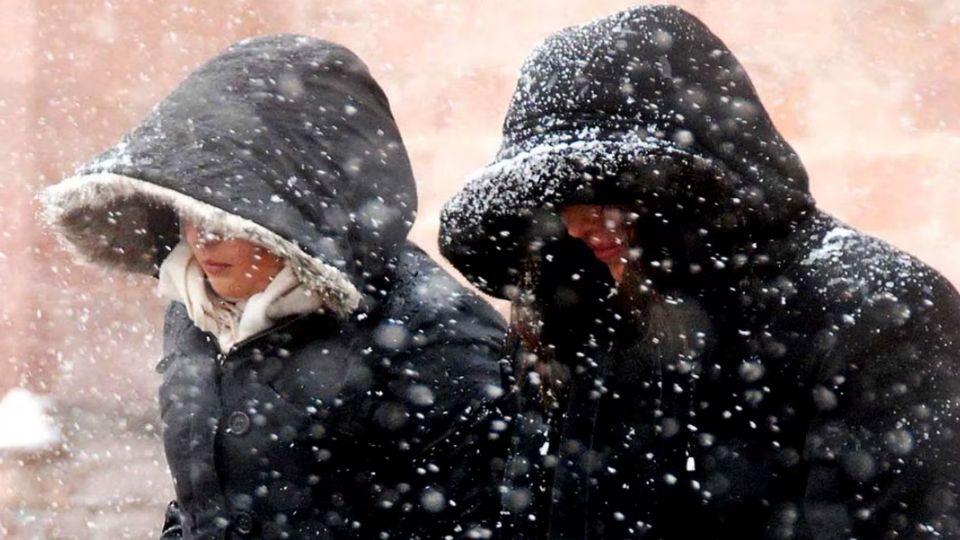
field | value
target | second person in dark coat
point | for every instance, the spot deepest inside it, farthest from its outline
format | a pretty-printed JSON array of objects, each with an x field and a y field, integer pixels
[{"x": 699, "y": 351}]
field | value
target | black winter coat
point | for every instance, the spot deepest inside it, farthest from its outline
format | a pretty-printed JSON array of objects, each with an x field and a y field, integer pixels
[
  {"x": 815, "y": 390},
  {"x": 372, "y": 419},
  {"x": 323, "y": 428}
]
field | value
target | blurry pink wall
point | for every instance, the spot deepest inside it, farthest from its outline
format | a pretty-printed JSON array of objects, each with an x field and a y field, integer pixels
[{"x": 868, "y": 92}]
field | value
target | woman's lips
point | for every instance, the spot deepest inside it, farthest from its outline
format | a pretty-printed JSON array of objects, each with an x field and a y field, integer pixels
[{"x": 213, "y": 267}]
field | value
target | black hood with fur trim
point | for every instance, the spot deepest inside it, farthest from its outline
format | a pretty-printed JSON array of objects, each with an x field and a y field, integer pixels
[
  {"x": 646, "y": 106},
  {"x": 284, "y": 140}
]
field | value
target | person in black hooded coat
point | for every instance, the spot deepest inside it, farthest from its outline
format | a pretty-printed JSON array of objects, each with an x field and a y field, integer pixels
[
  {"x": 369, "y": 414},
  {"x": 759, "y": 369}
]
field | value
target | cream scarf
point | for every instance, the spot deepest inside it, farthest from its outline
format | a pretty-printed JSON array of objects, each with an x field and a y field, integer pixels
[{"x": 182, "y": 280}]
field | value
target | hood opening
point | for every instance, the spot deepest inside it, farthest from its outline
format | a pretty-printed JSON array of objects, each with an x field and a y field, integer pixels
[
  {"x": 122, "y": 223},
  {"x": 645, "y": 107},
  {"x": 512, "y": 206}
]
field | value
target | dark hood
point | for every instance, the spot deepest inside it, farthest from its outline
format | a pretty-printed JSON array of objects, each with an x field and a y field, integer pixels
[
  {"x": 646, "y": 107},
  {"x": 284, "y": 140}
]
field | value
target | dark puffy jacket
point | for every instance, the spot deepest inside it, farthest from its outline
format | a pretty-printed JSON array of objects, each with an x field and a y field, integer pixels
[
  {"x": 372, "y": 419},
  {"x": 324, "y": 428},
  {"x": 815, "y": 390}
]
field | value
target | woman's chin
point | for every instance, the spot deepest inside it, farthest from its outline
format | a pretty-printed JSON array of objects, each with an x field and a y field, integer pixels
[
  {"x": 228, "y": 289},
  {"x": 610, "y": 256}
]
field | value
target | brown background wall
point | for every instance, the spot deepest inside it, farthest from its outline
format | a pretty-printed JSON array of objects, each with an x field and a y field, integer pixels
[{"x": 867, "y": 91}]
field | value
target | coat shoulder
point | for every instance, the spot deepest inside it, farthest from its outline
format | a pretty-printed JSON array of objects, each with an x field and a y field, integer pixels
[
  {"x": 869, "y": 284},
  {"x": 840, "y": 263},
  {"x": 434, "y": 307},
  {"x": 176, "y": 324}
]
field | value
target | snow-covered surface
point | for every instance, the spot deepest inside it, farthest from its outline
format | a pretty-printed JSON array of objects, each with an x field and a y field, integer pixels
[
  {"x": 582, "y": 148},
  {"x": 566, "y": 59},
  {"x": 25, "y": 423},
  {"x": 855, "y": 267},
  {"x": 551, "y": 172},
  {"x": 831, "y": 246}
]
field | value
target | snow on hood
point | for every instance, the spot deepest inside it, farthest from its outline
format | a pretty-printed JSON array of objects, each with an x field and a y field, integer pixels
[
  {"x": 645, "y": 107},
  {"x": 283, "y": 140}
]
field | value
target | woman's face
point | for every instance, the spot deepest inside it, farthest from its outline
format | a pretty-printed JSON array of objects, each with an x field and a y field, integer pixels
[
  {"x": 604, "y": 228},
  {"x": 236, "y": 269}
]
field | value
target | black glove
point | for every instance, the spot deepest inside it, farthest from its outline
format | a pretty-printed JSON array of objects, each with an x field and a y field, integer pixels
[{"x": 171, "y": 523}]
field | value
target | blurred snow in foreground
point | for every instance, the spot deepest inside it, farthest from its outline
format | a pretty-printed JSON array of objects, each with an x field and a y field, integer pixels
[{"x": 24, "y": 422}]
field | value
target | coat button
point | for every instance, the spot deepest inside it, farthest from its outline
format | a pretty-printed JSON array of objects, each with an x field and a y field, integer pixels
[
  {"x": 238, "y": 423},
  {"x": 243, "y": 523}
]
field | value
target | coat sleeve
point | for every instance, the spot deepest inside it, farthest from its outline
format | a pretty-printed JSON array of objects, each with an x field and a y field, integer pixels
[
  {"x": 437, "y": 419},
  {"x": 174, "y": 323},
  {"x": 413, "y": 429},
  {"x": 883, "y": 448}
]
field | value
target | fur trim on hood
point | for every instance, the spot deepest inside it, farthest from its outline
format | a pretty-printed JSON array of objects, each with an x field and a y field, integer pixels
[{"x": 84, "y": 211}]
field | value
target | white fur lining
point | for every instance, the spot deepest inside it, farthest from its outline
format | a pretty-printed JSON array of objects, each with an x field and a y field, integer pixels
[{"x": 114, "y": 221}]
